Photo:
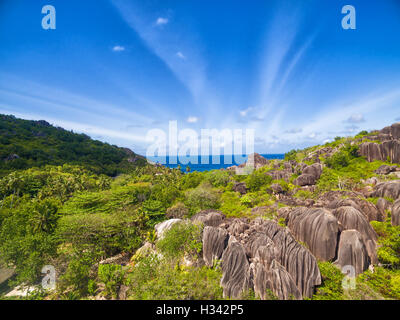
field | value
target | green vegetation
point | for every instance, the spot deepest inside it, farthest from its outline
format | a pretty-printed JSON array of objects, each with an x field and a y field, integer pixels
[
  {"x": 25, "y": 144},
  {"x": 182, "y": 238},
  {"x": 389, "y": 242},
  {"x": 73, "y": 203}
]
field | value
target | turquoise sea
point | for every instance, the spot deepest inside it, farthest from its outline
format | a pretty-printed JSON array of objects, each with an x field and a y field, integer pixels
[{"x": 213, "y": 162}]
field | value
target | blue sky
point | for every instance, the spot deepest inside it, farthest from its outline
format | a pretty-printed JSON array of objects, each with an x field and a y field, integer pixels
[{"x": 115, "y": 69}]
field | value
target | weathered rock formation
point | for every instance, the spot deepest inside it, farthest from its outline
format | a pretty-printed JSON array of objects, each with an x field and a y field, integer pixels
[
  {"x": 309, "y": 175},
  {"x": 215, "y": 240},
  {"x": 277, "y": 280},
  {"x": 389, "y": 189},
  {"x": 211, "y": 218},
  {"x": 261, "y": 255},
  {"x": 235, "y": 271},
  {"x": 280, "y": 174},
  {"x": 352, "y": 252},
  {"x": 318, "y": 228},
  {"x": 240, "y": 187},
  {"x": 382, "y": 205},
  {"x": 164, "y": 226},
  {"x": 350, "y": 218},
  {"x": 396, "y": 213},
  {"x": 388, "y": 149},
  {"x": 385, "y": 169},
  {"x": 368, "y": 209},
  {"x": 321, "y": 230}
]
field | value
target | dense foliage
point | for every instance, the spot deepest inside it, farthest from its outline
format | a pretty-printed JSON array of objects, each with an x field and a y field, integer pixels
[{"x": 25, "y": 144}]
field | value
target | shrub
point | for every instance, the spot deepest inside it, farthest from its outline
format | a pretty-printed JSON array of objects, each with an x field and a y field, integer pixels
[
  {"x": 256, "y": 180},
  {"x": 291, "y": 155},
  {"x": 27, "y": 238},
  {"x": 74, "y": 283},
  {"x": 191, "y": 180},
  {"x": 231, "y": 204},
  {"x": 182, "y": 238},
  {"x": 105, "y": 234},
  {"x": 331, "y": 288},
  {"x": 384, "y": 281},
  {"x": 218, "y": 178},
  {"x": 201, "y": 198},
  {"x": 389, "y": 242},
  {"x": 154, "y": 279},
  {"x": 338, "y": 160},
  {"x": 111, "y": 275},
  {"x": 177, "y": 211}
]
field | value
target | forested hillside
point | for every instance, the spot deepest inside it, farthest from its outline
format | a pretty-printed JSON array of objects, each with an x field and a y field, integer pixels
[{"x": 25, "y": 144}]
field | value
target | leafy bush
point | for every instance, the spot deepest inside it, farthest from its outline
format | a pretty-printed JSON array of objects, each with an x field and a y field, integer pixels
[
  {"x": 75, "y": 282},
  {"x": 291, "y": 155},
  {"x": 389, "y": 242},
  {"x": 177, "y": 211},
  {"x": 105, "y": 234},
  {"x": 256, "y": 180},
  {"x": 338, "y": 160},
  {"x": 107, "y": 201},
  {"x": 386, "y": 282},
  {"x": 155, "y": 279},
  {"x": 191, "y": 180},
  {"x": 231, "y": 204},
  {"x": 217, "y": 178},
  {"x": 331, "y": 288},
  {"x": 111, "y": 275},
  {"x": 27, "y": 238},
  {"x": 201, "y": 198},
  {"x": 182, "y": 238}
]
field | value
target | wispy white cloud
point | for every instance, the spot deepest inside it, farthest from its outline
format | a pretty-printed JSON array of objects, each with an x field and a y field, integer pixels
[
  {"x": 192, "y": 119},
  {"x": 161, "y": 21},
  {"x": 356, "y": 118},
  {"x": 180, "y": 55},
  {"x": 118, "y": 48},
  {"x": 165, "y": 45}
]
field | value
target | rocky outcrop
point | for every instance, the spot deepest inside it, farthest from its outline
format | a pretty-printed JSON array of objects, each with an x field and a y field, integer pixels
[
  {"x": 389, "y": 189},
  {"x": 367, "y": 208},
  {"x": 164, "y": 226},
  {"x": 277, "y": 280},
  {"x": 212, "y": 218},
  {"x": 352, "y": 251},
  {"x": 310, "y": 175},
  {"x": 318, "y": 228},
  {"x": 396, "y": 213},
  {"x": 235, "y": 271},
  {"x": 240, "y": 187},
  {"x": 248, "y": 259},
  {"x": 392, "y": 131},
  {"x": 382, "y": 205},
  {"x": 314, "y": 170},
  {"x": 280, "y": 174},
  {"x": 215, "y": 240},
  {"x": 276, "y": 188},
  {"x": 383, "y": 151},
  {"x": 350, "y": 218},
  {"x": 305, "y": 180},
  {"x": 295, "y": 258},
  {"x": 388, "y": 149},
  {"x": 255, "y": 161},
  {"x": 385, "y": 169}
]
